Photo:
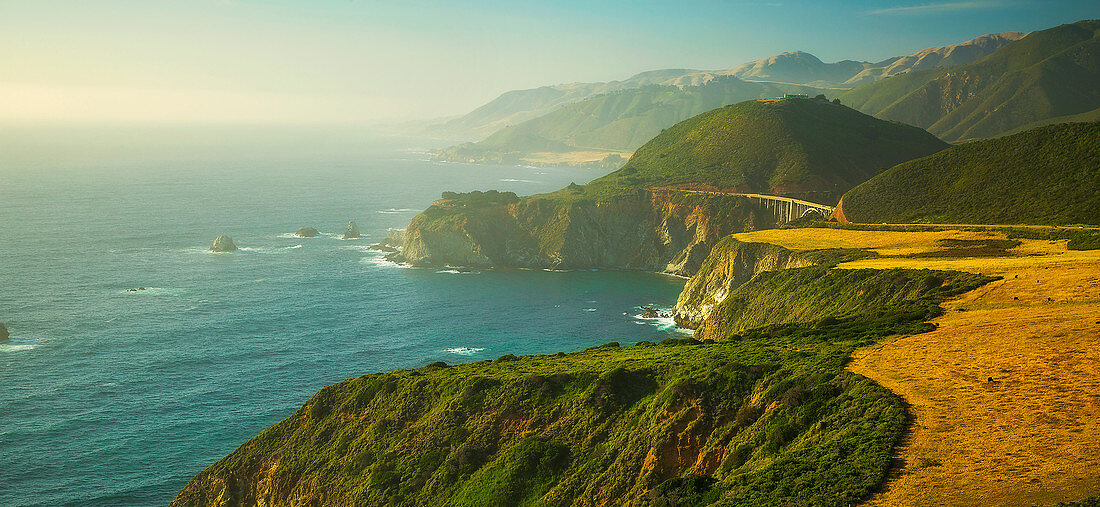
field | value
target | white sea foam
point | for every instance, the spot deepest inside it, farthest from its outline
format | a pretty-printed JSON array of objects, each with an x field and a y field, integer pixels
[
  {"x": 457, "y": 271},
  {"x": 514, "y": 180},
  {"x": 148, "y": 291},
  {"x": 589, "y": 309},
  {"x": 463, "y": 351},
  {"x": 377, "y": 258},
  {"x": 661, "y": 323},
  {"x": 292, "y": 247},
  {"x": 17, "y": 345},
  {"x": 397, "y": 210}
]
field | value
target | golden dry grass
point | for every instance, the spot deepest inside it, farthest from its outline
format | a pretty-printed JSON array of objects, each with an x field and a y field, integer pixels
[{"x": 1032, "y": 434}]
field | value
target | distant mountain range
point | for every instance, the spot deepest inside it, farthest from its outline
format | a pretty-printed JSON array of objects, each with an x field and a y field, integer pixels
[
  {"x": 795, "y": 67},
  {"x": 605, "y": 129},
  {"x": 1047, "y": 75}
]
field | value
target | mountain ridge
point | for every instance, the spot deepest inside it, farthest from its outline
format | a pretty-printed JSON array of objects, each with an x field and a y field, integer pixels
[
  {"x": 1047, "y": 74},
  {"x": 516, "y": 106}
]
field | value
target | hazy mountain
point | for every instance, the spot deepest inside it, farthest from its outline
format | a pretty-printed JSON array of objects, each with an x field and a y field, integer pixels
[
  {"x": 1047, "y": 74},
  {"x": 796, "y": 67},
  {"x": 518, "y": 106},
  {"x": 944, "y": 56},
  {"x": 612, "y": 124}
]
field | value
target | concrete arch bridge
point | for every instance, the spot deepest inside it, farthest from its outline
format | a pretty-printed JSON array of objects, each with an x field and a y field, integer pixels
[{"x": 784, "y": 209}]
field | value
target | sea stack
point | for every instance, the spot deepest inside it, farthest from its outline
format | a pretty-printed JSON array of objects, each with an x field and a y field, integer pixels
[
  {"x": 353, "y": 230},
  {"x": 223, "y": 244},
  {"x": 307, "y": 232},
  {"x": 3, "y": 332}
]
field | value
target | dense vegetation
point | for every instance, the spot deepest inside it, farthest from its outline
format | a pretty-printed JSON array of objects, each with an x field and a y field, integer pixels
[
  {"x": 621, "y": 120},
  {"x": 1049, "y": 175},
  {"x": 866, "y": 304},
  {"x": 792, "y": 146},
  {"x": 1048, "y": 74},
  {"x": 764, "y": 418}
]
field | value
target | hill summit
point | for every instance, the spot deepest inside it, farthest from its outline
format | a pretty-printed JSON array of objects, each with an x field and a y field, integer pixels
[{"x": 796, "y": 147}]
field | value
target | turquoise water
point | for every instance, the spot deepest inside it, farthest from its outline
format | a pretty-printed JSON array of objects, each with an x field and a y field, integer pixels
[{"x": 109, "y": 396}]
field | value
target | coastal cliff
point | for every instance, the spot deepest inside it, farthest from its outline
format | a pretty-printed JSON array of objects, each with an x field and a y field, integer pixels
[
  {"x": 666, "y": 207},
  {"x": 732, "y": 263},
  {"x": 665, "y": 232},
  {"x": 765, "y": 416}
]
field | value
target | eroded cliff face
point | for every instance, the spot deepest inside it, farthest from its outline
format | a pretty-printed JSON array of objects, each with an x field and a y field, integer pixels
[
  {"x": 730, "y": 264},
  {"x": 668, "y": 233}
]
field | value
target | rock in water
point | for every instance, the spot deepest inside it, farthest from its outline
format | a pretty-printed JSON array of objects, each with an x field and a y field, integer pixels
[
  {"x": 223, "y": 244},
  {"x": 3, "y": 332},
  {"x": 307, "y": 232},
  {"x": 353, "y": 230}
]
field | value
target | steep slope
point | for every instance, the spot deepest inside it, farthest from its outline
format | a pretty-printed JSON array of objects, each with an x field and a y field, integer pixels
[
  {"x": 767, "y": 418},
  {"x": 617, "y": 122},
  {"x": 630, "y": 219},
  {"x": 1049, "y": 175},
  {"x": 1046, "y": 74},
  {"x": 944, "y": 56}
]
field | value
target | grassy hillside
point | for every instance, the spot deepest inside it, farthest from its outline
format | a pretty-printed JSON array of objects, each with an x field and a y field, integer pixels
[
  {"x": 829, "y": 297},
  {"x": 1047, "y": 74},
  {"x": 802, "y": 147},
  {"x": 1049, "y": 175},
  {"x": 618, "y": 121},
  {"x": 767, "y": 418}
]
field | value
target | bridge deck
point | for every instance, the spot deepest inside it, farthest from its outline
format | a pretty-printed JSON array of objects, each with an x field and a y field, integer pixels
[{"x": 755, "y": 196}]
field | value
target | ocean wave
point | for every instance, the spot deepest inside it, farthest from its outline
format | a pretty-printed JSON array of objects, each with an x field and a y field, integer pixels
[
  {"x": 588, "y": 309},
  {"x": 514, "y": 180},
  {"x": 292, "y": 247},
  {"x": 149, "y": 291},
  {"x": 464, "y": 351},
  {"x": 17, "y": 345},
  {"x": 397, "y": 210},
  {"x": 661, "y": 323},
  {"x": 379, "y": 259}
]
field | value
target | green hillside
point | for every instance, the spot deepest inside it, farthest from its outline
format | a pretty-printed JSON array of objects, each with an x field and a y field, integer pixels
[
  {"x": 1047, "y": 74},
  {"x": 618, "y": 121},
  {"x": 1049, "y": 175},
  {"x": 767, "y": 417},
  {"x": 799, "y": 147}
]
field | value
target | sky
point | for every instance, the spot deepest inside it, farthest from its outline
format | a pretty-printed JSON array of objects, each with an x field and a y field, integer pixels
[{"x": 363, "y": 61}]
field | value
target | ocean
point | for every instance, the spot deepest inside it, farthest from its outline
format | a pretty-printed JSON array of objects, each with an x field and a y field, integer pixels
[{"x": 113, "y": 396}]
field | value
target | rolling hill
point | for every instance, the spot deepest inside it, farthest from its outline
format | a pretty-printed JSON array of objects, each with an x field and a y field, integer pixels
[
  {"x": 1048, "y": 74},
  {"x": 808, "y": 148},
  {"x": 1049, "y": 175}
]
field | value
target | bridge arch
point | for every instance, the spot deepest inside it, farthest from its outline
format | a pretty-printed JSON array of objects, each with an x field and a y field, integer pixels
[{"x": 820, "y": 213}]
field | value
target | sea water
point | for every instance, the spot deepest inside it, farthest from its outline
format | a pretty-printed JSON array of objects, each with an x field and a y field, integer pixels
[{"x": 110, "y": 395}]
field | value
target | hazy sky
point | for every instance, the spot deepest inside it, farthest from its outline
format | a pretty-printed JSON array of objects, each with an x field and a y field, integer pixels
[{"x": 359, "y": 61}]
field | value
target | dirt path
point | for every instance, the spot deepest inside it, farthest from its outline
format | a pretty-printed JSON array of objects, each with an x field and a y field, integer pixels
[{"x": 1031, "y": 436}]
